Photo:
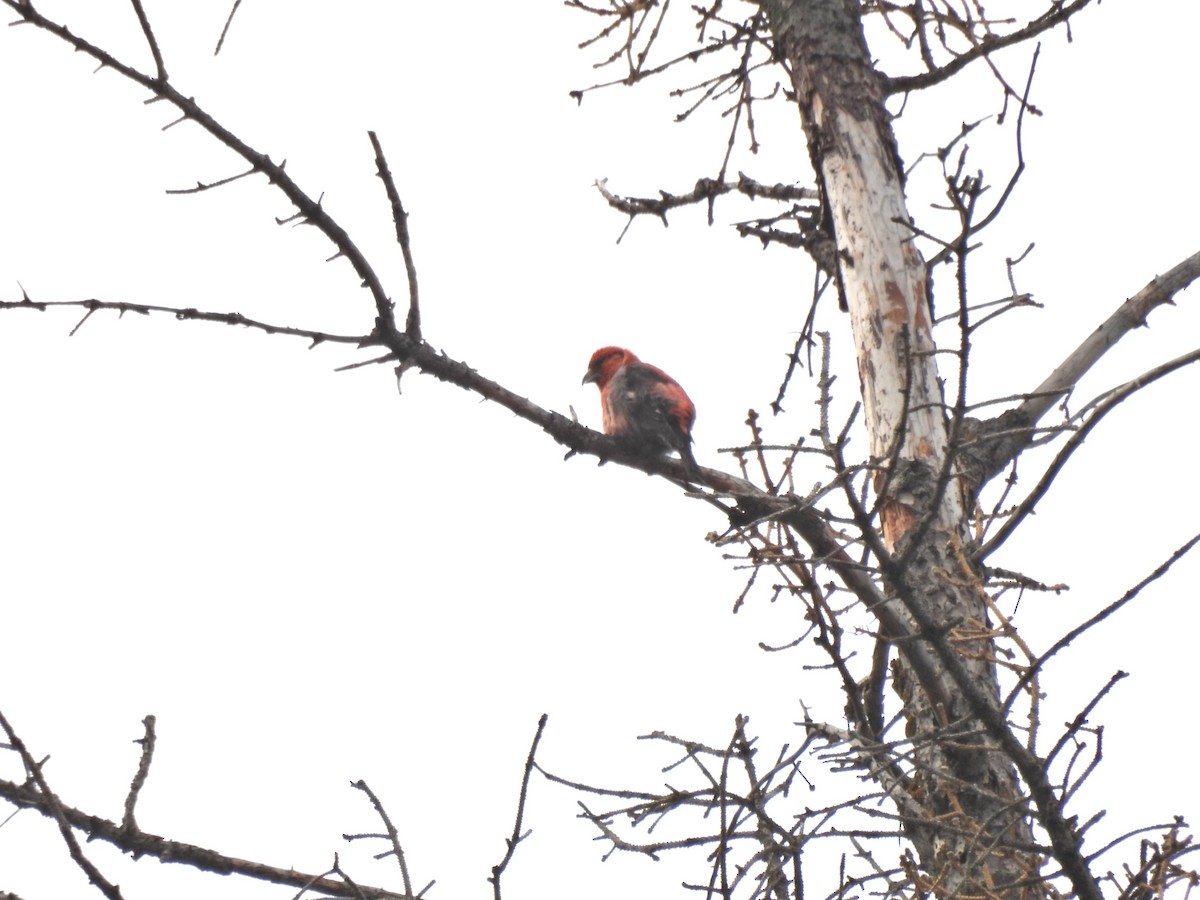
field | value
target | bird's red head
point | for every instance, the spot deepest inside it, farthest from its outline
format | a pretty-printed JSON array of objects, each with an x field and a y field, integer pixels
[{"x": 604, "y": 364}]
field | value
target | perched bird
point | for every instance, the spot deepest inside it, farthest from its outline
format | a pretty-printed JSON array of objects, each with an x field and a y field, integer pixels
[{"x": 642, "y": 403}]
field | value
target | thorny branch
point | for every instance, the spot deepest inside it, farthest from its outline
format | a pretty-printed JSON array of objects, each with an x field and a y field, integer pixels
[
  {"x": 307, "y": 209},
  {"x": 55, "y": 810},
  {"x": 518, "y": 835},
  {"x": 143, "y": 771},
  {"x": 184, "y": 314},
  {"x": 976, "y": 32},
  {"x": 1090, "y": 416},
  {"x": 1130, "y": 315},
  {"x": 225, "y": 28},
  {"x": 1099, "y": 617},
  {"x": 129, "y": 838},
  {"x": 412, "y": 323}
]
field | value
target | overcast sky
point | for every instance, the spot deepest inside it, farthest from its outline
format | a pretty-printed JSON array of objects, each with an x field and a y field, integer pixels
[{"x": 310, "y": 578}]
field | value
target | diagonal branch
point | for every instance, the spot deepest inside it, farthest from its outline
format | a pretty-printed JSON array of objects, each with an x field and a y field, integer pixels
[
  {"x": 50, "y": 806},
  {"x": 308, "y": 209},
  {"x": 159, "y": 65},
  {"x": 392, "y": 835},
  {"x": 1031, "y": 672},
  {"x": 1129, "y": 315},
  {"x": 139, "y": 843},
  {"x": 412, "y": 323},
  {"x": 1100, "y": 408}
]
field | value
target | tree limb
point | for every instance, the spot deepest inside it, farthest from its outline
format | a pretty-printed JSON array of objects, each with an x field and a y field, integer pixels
[
  {"x": 986, "y": 47},
  {"x": 139, "y": 843},
  {"x": 1129, "y": 315},
  {"x": 1018, "y": 423},
  {"x": 187, "y": 313}
]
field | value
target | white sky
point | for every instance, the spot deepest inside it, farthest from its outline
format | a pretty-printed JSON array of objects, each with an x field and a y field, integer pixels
[{"x": 310, "y": 579}]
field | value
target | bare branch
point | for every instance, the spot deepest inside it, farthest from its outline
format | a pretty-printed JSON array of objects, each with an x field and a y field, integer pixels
[
  {"x": 139, "y": 843},
  {"x": 1066, "y": 639},
  {"x": 518, "y": 835},
  {"x": 412, "y": 324},
  {"x": 1059, "y": 14},
  {"x": 139, "y": 779},
  {"x": 1099, "y": 409},
  {"x": 190, "y": 314},
  {"x": 1129, "y": 315},
  {"x": 202, "y": 186},
  {"x": 51, "y": 807},
  {"x": 706, "y": 191},
  {"x": 307, "y": 209},
  {"x": 636, "y": 68},
  {"x": 150, "y": 39},
  {"x": 392, "y": 836}
]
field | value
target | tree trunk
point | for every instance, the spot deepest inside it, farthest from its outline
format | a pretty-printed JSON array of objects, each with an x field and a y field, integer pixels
[{"x": 975, "y": 838}]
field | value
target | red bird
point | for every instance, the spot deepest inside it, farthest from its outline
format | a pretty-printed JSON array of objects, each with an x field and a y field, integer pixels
[{"x": 642, "y": 403}]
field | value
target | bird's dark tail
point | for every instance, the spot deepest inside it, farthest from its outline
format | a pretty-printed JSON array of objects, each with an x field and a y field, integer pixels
[{"x": 689, "y": 462}]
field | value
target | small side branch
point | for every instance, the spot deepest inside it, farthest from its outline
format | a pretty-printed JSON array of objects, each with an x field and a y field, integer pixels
[
  {"x": 392, "y": 836},
  {"x": 1129, "y": 315},
  {"x": 225, "y": 28},
  {"x": 518, "y": 835},
  {"x": 1100, "y": 409},
  {"x": 1066, "y": 639},
  {"x": 202, "y": 186},
  {"x": 159, "y": 66},
  {"x": 982, "y": 49},
  {"x": 308, "y": 210},
  {"x": 139, "y": 779},
  {"x": 141, "y": 844},
  {"x": 706, "y": 190},
  {"x": 412, "y": 324},
  {"x": 187, "y": 313},
  {"x": 55, "y": 810}
]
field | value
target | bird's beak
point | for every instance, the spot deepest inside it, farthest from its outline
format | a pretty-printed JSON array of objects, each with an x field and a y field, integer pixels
[{"x": 589, "y": 378}]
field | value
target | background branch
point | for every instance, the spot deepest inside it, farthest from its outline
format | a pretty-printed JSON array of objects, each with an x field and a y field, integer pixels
[{"x": 140, "y": 843}]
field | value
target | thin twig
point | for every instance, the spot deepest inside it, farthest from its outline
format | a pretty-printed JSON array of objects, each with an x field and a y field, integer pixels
[
  {"x": 143, "y": 770},
  {"x": 151, "y": 40},
  {"x": 204, "y": 859},
  {"x": 225, "y": 28},
  {"x": 188, "y": 313},
  {"x": 517, "y": 834},
  {"x": 56, "y": 812},
  {"x": 308, "y": 210},
  {"x": 392, "y": 835},
  {"x": 1075, "y": 632},
  {"x": 983, "y": 49},
  {"x": 412, "y": 324}
]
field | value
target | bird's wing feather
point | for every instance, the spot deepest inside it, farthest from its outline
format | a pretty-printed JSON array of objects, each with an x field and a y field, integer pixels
[{"x": 652, "y": 405}]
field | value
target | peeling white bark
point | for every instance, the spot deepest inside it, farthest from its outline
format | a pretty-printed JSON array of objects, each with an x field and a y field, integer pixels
[{"x": 887, "y": 291}]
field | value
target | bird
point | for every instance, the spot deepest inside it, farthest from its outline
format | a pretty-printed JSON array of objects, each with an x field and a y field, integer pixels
[{"x": 643, "y": 404}]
